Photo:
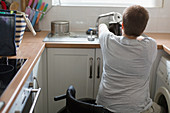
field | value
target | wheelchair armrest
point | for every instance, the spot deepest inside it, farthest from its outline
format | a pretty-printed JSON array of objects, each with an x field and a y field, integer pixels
[
  {"x": 56, "y": 98},
  {"x": 88, "y": 100}
]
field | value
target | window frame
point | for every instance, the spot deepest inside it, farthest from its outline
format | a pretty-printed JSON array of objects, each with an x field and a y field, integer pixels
[{"x": 59, "y": 3}]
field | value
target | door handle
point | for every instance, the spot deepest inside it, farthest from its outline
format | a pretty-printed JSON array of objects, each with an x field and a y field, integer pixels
[
  {"x": 91, "y": 66},
  {"x": 98, "y": 67},
  {"x": 35, "y": 99}
]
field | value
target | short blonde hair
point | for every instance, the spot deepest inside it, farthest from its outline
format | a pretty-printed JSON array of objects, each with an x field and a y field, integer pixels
[{"x": 135, "y": 19}]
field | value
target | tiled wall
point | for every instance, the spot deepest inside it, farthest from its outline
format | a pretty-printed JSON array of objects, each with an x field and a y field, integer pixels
[{"x": 81, "y": 18}]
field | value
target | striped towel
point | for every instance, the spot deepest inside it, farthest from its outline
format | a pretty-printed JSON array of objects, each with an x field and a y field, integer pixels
[
  {"x": 21, "y": 22},
  {"x": 20, "y": 29}
]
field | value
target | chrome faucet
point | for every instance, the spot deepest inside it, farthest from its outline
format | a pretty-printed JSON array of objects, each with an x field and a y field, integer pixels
[{"x": 117, "y": 17}]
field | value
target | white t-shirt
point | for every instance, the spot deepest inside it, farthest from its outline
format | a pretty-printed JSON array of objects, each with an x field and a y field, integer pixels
[{"x": 124, "y": 86}]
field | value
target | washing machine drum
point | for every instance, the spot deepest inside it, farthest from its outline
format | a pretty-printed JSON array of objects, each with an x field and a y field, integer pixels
[{"x": 162, "y": 98}]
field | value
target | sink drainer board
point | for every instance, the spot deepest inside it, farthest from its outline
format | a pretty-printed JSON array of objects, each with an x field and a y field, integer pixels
[
  {"x": 72, "y": 37},
  {"x": 65, "y": 39}
]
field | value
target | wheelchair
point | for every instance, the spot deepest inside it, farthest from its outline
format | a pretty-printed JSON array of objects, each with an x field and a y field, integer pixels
[{"x": 83, "y": 105}]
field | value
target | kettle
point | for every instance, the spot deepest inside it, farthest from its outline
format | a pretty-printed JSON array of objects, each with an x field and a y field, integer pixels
[
  {"x": 115, "y": 28},
  {"x": 115, "y": 25}
]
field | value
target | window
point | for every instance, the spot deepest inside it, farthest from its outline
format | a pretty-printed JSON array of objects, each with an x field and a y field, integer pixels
[{"x": 108, "y": 3}]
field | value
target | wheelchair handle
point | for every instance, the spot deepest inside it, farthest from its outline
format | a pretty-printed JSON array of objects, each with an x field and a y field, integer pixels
[{"x": 56, "y": 98}]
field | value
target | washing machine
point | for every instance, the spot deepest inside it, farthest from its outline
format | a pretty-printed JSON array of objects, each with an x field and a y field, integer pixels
[{"x": 162, "y": 95}]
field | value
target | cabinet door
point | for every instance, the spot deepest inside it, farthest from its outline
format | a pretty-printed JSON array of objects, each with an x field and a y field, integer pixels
[
  {"x": 98, "y": 70},
  {"x": 40, "y": 80},
  {"x": 67, "y": 67}
]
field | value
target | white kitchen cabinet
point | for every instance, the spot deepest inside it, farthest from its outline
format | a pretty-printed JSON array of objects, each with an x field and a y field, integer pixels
[
  {"x": 77, "y": 67},
  {"x": 40, "y": 80}
]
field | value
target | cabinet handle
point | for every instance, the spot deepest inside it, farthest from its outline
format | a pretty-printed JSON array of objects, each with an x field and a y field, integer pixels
[
  {"x": 98, "y": 67},
  {"x": 91, "y": 65},
  {"x": 35, "y": 99}
]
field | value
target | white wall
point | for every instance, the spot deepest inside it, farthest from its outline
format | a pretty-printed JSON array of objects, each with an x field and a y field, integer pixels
[{"x": 81, "y": 18}]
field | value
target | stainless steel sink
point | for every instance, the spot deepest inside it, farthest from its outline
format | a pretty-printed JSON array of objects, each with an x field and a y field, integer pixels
[
  {"x": 72, "y": 37},
  {"x": 65, "y": 39}
]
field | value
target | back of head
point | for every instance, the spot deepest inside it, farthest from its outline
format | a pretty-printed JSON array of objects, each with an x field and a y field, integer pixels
[{"x": 135, "y": 19}]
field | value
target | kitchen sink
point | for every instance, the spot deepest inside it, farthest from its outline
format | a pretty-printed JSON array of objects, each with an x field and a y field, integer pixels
[{"x": 72, "y": 37}]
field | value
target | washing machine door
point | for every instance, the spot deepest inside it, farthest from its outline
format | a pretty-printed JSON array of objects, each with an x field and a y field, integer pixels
[{"x": 162, "y": 98}]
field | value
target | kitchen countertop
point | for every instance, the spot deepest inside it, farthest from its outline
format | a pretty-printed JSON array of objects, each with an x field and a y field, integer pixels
[
  {"x": 32, "y": 47},
  {"x": 31, "y": 52},
  {"x": 162, "y": 39}
]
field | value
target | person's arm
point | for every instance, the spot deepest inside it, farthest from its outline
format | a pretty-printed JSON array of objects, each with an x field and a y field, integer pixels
[
  {"x": 103, "y": 34},
  {"x": 103, "y": 28},
  {"x": 152, "y": 49},
  {"x": 103, "y": 31}
]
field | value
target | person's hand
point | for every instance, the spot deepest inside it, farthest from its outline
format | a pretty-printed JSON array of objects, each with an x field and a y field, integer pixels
[{"x": 140, "y": 38}]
